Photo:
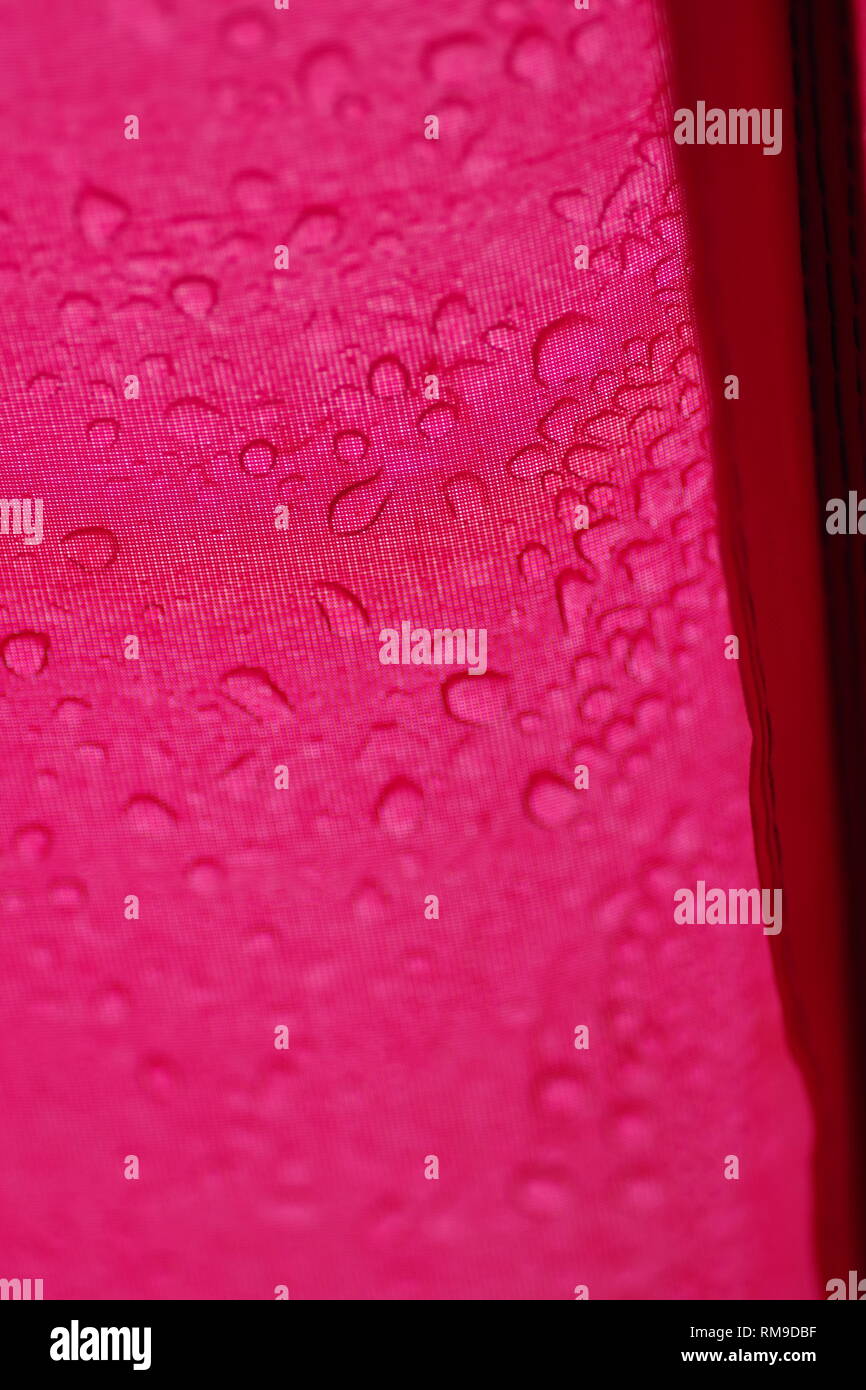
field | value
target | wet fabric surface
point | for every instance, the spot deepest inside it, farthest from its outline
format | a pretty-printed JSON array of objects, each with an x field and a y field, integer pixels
[{"x": 254, "y": 471}]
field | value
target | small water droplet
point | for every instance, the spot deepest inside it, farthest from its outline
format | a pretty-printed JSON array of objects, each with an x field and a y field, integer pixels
[
  {"x": 533, "y": 563},
  {"x": 113, "y": 1005},
  {"x": 388, "y": 378},
  {"x": 317, "y": 229},
  {"x": 532, "y": 59},
  {"x": 358, "y": 507},
  {"x": 205, "y": 877},
  {"x": 253, "y": 191},
  {"x": 542, "y": 1192},
  {"x": 194, "y": 295},
  {"x": 400, "y": 808},
  {"x": 350, "y": 446},
  {"x": 101, "y": 434},
  {"x": 245, "y": 32},
  {"x": 343, "y": 612},
  {"x": 101, "y": 217},
  {"x": 157, "y": 1076},
  {"x": 437, "y": 421},
  {"x": 32, "y": 843},
  {"x": 258, "y": 458},
  {"x": 67, "y": 894},
  {"x": 467, "y": 496},
  {"x": 560, "y": 1096},
  {"x": 149, "y": 817}
]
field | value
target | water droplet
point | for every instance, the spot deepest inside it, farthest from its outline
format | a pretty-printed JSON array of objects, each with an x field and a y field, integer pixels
[
  {"x": 317, "y": 229},
  {"x": 369, "y": 903},
  {"x": 455, "y": 59},
  {"x": 253, "y": 191},
  {"x": 91, "y": 548},
  {"x": 253, "y": 690},
  {"x": 533, "y": 563},
  {"x": 149, "y": 817},
  {"x": 80, "y": 312},
  {"x": 25, "y": 653},
  {"x": 388, "y": 378},
  {"x": 528, "y": 463},
  {"x": 113, "y": 1005},
  {"x": 101, "y": 434},
  {"x": 358, "y": 507},
  {"x": 193, "y": 419},
  {"x": 400, "y": 808},
  {"x": 194, "y": 295},
  {"x": 205, "y": 877},
  {"x": 324, "y": 77},
  {"x": 245, "y": 32},
  {"x": 542, "y": 1192},
  {"x": 67, "y": 894},
  {"x": 570, "y": 205},
  {"x": 532, "y": 59},
  {"x": 258, "y": 458},
  {"x": 32, "y": 843},
  {"x": 157, "y": 1076},
  {"x": 571, "y": 601},
  {"x": 550, "y": 801},
  {"x": 569, "y": 349},
  {"x": 437, "y": 421},
  {"x": 343, "y": 612},
  {"x": 501, "y": 336},
  {"x": 101, "y": 217},
  {"x": 350, "y": 446},
  {"x": 475, "y": 699},
  {"x": 560, "y": 1096},
  {"x": 467, "y": 496}
]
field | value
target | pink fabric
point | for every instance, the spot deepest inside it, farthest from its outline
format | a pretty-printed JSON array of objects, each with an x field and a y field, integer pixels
[{"x": 259, "y": 648}]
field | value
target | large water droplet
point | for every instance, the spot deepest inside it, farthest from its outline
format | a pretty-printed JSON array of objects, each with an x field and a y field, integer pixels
[
  {"x": 91, "y": 548},
  {"x": 550, "y": 801},
  {"x": 569, "y": 349},
  {"x": 25, "y": 653}
]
